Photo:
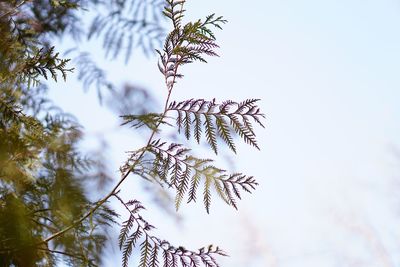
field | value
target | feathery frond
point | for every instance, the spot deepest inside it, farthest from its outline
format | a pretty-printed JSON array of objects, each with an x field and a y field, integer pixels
[
  {"x": 9, "y": 111},
  {"x": 186, "y": 43},
  {"x": 155, "y": 252},
  {"x": 129, "y": 24},
  {"x": 176, "y": 168},
  {"x": 150, "y": 120},
  {"x": 218, "y": 120},
  {"x": 92, "y": 75},
  {"x": 44, "y": 61},
  {"x": 45, "y": 213}
]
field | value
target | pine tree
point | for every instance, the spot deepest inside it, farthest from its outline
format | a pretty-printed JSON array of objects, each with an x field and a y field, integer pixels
[{"x": 45, "y": 213}]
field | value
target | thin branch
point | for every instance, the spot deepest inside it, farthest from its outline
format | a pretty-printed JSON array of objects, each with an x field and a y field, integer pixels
[
  {"x": 116, "y": 187},
  {"x": 14, "y": 9},
  {"x": 154, "y": 239},
  {"x": 79, "y": 257}
]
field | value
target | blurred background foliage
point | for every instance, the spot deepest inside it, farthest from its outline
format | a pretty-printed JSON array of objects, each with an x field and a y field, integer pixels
[{"x": 43, "y": 172}]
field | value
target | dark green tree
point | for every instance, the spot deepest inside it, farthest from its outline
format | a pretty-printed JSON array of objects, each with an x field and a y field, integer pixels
[{"x": 46, "y": 215}]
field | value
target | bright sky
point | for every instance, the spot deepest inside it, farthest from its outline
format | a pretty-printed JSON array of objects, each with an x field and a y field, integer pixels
[{"x": 328, "y": 76}]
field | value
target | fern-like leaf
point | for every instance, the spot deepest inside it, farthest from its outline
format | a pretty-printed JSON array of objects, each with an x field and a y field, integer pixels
[
  {"x": 92, "y": 75},
  {"x": 154, "y": 262},
  {"x": 128, "y": 24},
  {"x": 174, "y": 11},
  {"x": 214, "y": 118},
  {"x": 150, "y": 120},
  {"x": 145, "y": 251},
  {"x": 207, "y": 192},
  {"x": 126, "y": 227},
  {"x": 211, "y": 133},
  {"x": 175, "y": 167},
  {"x": 167, "y": 258},
  {"x": 43, "y": 62},
  {"x": 130, "y": 244},
  {"x": 185, "y": 43},
  {"x": 155, "y": 252}
]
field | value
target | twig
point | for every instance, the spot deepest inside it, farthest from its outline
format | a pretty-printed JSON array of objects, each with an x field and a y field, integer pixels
[
  {"x": 116, "y": 187},
  {"x": 79, "y": 257},
  {"x": 14, "y": 9}
]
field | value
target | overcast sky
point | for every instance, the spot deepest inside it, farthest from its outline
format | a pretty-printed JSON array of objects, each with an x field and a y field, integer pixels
[{"x": 329, "y": 166}]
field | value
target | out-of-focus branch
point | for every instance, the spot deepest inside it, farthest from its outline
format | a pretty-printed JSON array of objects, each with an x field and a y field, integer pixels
[{"x": 14, "y": 9}]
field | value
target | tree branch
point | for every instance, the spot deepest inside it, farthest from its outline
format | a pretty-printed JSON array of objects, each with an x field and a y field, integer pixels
[
  {"x": 13, "y": 10},
  {"x": 116, "y": 187}
]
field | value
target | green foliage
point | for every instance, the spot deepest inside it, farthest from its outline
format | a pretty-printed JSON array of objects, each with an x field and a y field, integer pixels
[
  {"x": 46, "y": 215},
  {"x": 43, "y": 62},
  {"x": 42, "y": 173},
  {"x": 150, "y": 120},
  {"x": 128, "y": 24},
  {"x": 41, "y": 189}
]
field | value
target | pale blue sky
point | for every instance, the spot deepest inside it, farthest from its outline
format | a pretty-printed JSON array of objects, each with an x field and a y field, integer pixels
[{"x": 328, "y": 76}]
